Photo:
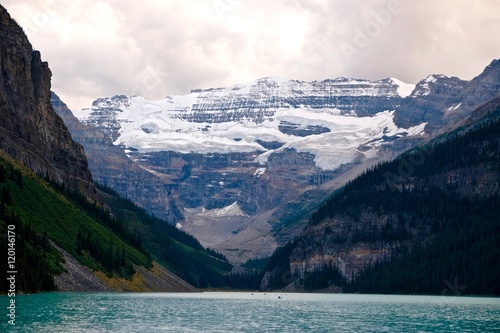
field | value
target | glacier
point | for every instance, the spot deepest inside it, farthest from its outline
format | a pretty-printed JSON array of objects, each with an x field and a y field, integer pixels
[{"x": 244, "y": 117}]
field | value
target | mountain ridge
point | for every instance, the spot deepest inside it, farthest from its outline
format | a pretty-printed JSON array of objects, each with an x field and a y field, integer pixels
[{"x": 247, "y": 142}]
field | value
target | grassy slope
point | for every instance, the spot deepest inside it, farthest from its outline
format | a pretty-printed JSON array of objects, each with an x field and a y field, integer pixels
[{"x": 50, "y": 212}]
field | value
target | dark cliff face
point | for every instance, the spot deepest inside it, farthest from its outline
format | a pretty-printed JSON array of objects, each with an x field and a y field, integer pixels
[
  {"x": 30, "y": 130},
  {"x": 111, "y": 167},
  {"x": 483, "y": 87},
  {"x": 441, "y": 101},
  {"x": 429, "y": 100}
]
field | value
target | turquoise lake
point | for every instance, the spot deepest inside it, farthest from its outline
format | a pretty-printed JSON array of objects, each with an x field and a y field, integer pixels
[{"x": 247, "y": 312}]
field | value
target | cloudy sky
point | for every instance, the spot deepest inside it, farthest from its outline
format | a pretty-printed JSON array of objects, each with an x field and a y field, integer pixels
[{"x": 155, "y": 48}]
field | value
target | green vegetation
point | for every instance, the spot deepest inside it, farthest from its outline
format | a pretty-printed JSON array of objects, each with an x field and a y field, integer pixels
[
  {"x": 323, "y": 277},
  {"x": 279, "y": 266},
  {"x": 256, "y": 264},
  {"x": 463, "y": 259},
  {"x": 175, "y": 249},
  {"x": 103, "y": 241},
  {"x": 463, "y": 256},
  {"x": 41, "y": 211},
  {"x": 27, "y": 249}
]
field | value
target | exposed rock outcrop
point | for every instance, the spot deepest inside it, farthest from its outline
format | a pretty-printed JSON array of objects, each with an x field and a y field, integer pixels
[
  {"x": 77, "y": 277},
  {"x": 80, "y": 278},
  {"x": 439, "y": 100},
  {"x": 30, "y": 130}
]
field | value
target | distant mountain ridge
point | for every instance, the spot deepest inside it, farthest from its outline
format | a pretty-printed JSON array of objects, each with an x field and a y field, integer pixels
[{"x": 275, "y": 146}]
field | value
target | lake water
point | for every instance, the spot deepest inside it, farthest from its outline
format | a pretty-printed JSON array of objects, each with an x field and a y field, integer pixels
[{"x": 247, "y": 312}]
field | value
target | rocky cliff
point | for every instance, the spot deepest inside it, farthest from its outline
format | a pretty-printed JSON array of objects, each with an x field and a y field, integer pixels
[
  {"x": 35, "y": 140},
  {"x": 440, "y": 101},
  {"x": 30, "y": 130}
]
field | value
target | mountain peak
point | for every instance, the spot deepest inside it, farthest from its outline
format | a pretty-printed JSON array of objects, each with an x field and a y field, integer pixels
[
  {"x": 493, "y": 70},
  {"x": 494, "y": 63},
  {"x": 404, "y": 89}
]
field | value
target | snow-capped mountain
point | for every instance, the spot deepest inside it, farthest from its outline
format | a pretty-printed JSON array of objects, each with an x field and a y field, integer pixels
[
  {"x": 329, "y": 119},
  {"x": 269, "y": 149},
  {"x": 260, "y": 146}
]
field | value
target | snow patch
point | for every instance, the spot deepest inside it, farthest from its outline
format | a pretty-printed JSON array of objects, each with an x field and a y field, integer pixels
[
  {"x": 430, "y": 78},
  {"x": 259, "y": 172},
  {"x": 453, "y": 107},
  {"x": 228, "y": 211},
  {"x": 404, "y": 89},
  {"x": 416, "y": 130}
]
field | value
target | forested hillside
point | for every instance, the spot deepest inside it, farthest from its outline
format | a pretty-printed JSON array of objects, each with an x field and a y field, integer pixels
[
  {"x": 430, "y": 219},
  {"x": 175, "y": 249},
  {"x": 38, "y": 210}
]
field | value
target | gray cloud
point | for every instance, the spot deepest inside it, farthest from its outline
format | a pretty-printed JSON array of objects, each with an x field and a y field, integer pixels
[{"x": 157, "y": 48}]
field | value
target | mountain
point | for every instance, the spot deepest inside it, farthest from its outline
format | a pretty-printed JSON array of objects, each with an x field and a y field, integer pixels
[
  {"x": 427, "y": 222},
  {"x": 65, "y": 236},
  {"x": 64, "y": 242},
  {"x": 276, "y": 147},
  {"x": 262, "y": 145},
  {"x": 30, "y": 130},
  {"x": 440, "y": 101},
  {"x": 66, "y": 232},
  {"x": 111, "y": 166}
]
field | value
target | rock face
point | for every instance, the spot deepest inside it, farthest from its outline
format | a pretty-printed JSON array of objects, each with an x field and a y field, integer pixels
[
  {"x": 275, "y": 147},
  {"x": 30, "y": 130},
  {"x": 439, "y": 100},
  {"x": 77, "y": 277},
  {"x": 429, "y": 102}
]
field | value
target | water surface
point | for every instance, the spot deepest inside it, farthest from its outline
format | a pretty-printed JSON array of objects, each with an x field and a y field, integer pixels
[{"x": 247, "y": 312}]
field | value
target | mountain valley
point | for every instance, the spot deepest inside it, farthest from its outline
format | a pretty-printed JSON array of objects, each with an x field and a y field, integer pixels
[
  {"x": 339, "y": 185},
  {"x": 274, "y": 147}
]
